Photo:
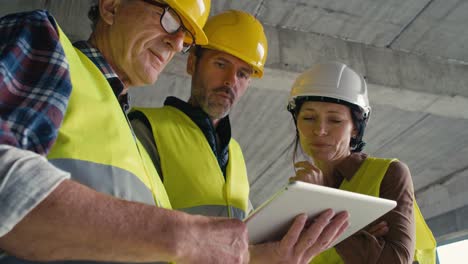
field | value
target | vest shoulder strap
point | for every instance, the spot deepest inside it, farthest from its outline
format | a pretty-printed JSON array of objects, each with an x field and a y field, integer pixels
[{"x": 368, "y": 178}]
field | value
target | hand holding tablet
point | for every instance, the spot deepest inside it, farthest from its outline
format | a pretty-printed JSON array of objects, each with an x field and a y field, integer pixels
[{"x": 271, "y": 220}]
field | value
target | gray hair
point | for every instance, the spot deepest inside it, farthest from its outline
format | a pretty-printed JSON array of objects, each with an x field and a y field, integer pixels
[{"x": 93, "y": 13}]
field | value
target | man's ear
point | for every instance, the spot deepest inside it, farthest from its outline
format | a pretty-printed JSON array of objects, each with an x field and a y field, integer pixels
[
  {"x": 191, "y": 62},
  {"x": 107, "y": 10}
]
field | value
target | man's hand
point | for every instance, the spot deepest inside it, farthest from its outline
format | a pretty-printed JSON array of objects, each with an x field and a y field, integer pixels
[
  {"x": 307, "y": 172},
  {"x": 303, "y": 241},
  {"x": 213, "y": 240}
]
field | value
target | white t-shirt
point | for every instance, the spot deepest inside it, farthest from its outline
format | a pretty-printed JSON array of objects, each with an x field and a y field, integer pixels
[{"x": 26, "y": 178}]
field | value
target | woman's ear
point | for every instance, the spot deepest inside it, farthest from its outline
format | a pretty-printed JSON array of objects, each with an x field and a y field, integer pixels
[{"x": 354, "y": 133}]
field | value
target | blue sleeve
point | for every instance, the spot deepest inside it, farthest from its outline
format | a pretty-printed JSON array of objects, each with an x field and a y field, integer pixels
[{"x": 35, "y": 81}]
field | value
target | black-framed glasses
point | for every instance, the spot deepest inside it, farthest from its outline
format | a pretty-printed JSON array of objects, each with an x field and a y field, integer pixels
[{"x": 172, "y": 23}]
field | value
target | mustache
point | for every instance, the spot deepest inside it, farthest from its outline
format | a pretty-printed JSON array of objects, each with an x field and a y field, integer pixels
[{"x": 227, "y": 90}]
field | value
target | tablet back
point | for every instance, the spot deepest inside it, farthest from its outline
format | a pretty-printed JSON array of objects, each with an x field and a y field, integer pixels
[{"x": 271, "y": 220}]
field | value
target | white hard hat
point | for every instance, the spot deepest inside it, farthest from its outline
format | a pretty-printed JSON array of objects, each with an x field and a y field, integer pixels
[{"x": 331, "y": 80}]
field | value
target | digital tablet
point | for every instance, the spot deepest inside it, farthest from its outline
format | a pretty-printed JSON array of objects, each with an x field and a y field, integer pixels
[{"x": 272, "y": 219}]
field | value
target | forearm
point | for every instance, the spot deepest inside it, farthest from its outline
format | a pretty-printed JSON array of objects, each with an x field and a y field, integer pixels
[
  {"x": 397, "y": 246},
  {"x": 365, "y": 248},
  {"x": 43, "y": 216},
  {"x": 75, "y": 222}
]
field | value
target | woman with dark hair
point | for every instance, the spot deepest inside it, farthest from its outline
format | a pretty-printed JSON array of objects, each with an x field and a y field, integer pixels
[{"x": 330, "y": 107}]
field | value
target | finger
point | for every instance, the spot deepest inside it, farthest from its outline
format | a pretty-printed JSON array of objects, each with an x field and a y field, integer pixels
[
  {"x": 310, "y": 177},
  {"x": 376, "y": 227},
  {"x": 309, "y": 238},
  {"x": 300, "y": 178},
  {"x": 336, "y": 227},
  {"x": 381, "y": 232},
  {"x": 302, "y": 164},
  {"x": 306, "y": 165},
  {"x": 294, "y": 231},
  {"x": 330, "y": 233},
  {"x": 296, "y": 178},
  {"x": 340, "y": 231},
  {"x": 302, "y": 172},
  {"x": 379, "y": 224}
]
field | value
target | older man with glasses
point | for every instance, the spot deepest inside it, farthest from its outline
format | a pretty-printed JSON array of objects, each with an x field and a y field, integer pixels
[{"x": 97, "y": 195}]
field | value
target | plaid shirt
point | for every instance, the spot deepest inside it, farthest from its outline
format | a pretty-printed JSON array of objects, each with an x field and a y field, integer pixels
[{"x": 35, "y": 82}]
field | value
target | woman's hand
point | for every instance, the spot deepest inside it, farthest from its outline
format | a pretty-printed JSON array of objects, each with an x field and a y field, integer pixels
[
  {"x": 378, "y": 230},
  {"x": 307, "y": 172}
]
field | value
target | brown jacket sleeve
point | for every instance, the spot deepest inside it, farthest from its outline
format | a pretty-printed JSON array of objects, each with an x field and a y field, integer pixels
[{"x": 397, "y": 246}]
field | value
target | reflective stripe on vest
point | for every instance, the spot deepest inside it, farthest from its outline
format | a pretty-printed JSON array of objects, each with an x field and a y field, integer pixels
[
  {"x": 85, "y": 173},
  {"x": 367, "y": 180},
  {"x": 216, "y": 210},
  {"x": 95, "y": 143},
  {"x": 192, "y": 176}
]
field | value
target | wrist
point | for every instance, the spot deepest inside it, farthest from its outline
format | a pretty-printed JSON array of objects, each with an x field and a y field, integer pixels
[
  {"x": 263, "y": 254},
  {"x": 176, "y": 235},
  {"x": 185, "y": 234}
]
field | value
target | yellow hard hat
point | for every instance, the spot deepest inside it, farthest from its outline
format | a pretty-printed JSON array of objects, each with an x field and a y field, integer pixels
[
  {"x": 240, "y": 34},
  {"x": 194, "y": 15}
]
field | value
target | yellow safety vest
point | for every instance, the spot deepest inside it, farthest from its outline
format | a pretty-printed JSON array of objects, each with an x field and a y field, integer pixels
[
  {"x": 367, "y": 180},
  {"x": 192, "y": 176},
  {"x": 95, "y": 143}
]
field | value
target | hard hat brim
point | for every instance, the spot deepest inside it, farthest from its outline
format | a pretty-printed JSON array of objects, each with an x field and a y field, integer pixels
[
  {"x": 190, "y": 23},
  {"x": 257, "y": 71}
]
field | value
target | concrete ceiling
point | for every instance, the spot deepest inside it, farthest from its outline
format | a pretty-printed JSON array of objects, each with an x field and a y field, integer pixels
[{"x": 414, "y": 55}]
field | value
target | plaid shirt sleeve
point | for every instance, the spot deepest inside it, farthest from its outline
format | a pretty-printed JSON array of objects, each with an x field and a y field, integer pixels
[{"x": 35, "y": 82}]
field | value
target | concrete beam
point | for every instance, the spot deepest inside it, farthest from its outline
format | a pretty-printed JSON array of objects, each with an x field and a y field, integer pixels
[
  {"x": 450, "y": 226},
  {"x": 445, "y": 195},
  {"x": 296, "y": 51}
]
